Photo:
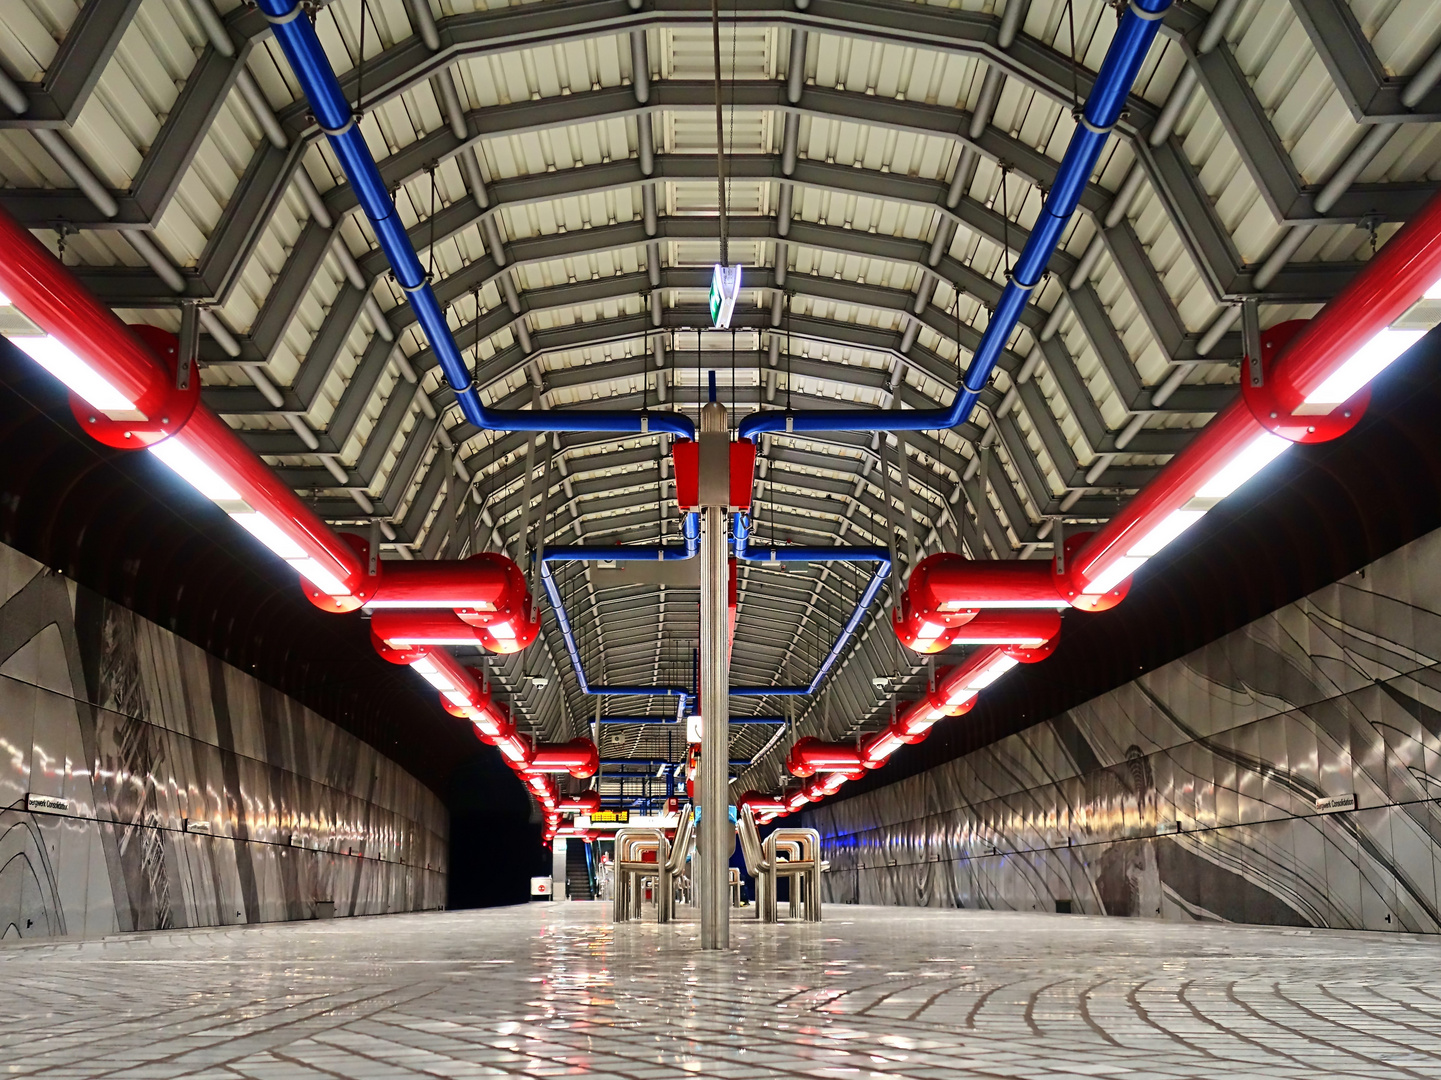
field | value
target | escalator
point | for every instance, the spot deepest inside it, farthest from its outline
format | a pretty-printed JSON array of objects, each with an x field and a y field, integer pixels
[{"x": 579, "y": 874}]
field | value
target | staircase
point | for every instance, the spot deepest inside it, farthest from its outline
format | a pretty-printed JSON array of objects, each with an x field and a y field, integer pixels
[{"x": 577, "y": 872}]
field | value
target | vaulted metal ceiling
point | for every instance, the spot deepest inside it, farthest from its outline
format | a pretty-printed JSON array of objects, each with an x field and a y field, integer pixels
[{"x": 555, "y": 164}]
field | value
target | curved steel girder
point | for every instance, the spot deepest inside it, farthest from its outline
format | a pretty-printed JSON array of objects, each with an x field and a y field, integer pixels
[
  {"x": 842, "y": 488},
  {"x": 1180, "y": 16},
  {"x": 431, "y": 485},
  {"x": 1158, "y": 441},
  {"x": 338, "y": 325},
  {"x": 1028, "y": 60},
  {"x": 1078, "y": 400},
  {"x": 1166, "y": 442},
  {"x": 596, "y": 240}
]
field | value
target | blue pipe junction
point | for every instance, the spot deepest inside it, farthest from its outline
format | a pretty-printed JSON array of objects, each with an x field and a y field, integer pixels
[
  {"x": 1134, "y": 34},
  {"x": 336, "y": 117}
]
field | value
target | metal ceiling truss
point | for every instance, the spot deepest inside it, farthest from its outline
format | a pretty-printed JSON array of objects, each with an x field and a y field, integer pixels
[{"x": 1044, "y": 449}]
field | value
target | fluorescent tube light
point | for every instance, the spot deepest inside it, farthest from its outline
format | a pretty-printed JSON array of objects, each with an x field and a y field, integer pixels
[
  {"x": 412, "y": 640},
  {"x": 271, "y": 535},
  {"x": 1172, "y": 526},
  {"x": 1364, "y": 365},
  {"x": 991, "y": 672},
  {"x": 885, "y": 746},
  {"x": 439, "y": 681},
  {"x": 320, "y": 577},
  {"x": 1251, "y": 459},
  {"x": 1113, "y": 575},
  {"x": 1038, "y": 604},
  {"x": 959, "y": 695},
  {"x": 185, "y": 464},
  {"x": 430, "y": 602},
  {"x": 79, "y": 376}
]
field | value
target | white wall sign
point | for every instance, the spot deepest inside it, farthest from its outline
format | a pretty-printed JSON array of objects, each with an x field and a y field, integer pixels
[
  {"x": 540, "y": 886},
  {"x": 1334, "y": 804},
  {"x": 47, "y": 804},
  {"x": 195, "y": 825},
  {"x": 692, "y": 729}
]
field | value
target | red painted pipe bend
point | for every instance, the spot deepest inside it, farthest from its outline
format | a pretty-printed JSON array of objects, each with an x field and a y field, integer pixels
[
  {"x": 409, "y": 629},
  {"x": 579, "y": 757},
  {"x": 762, "y": 804},
  {"x": 810, "y": 756},
  {"x": 1394, "y": 279},
  {"x": 52, "y": 298},
  {"x": 587, "y": 802}
]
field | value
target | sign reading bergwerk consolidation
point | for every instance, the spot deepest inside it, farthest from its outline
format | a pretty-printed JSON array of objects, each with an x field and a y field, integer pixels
[
  {"x": 1334, "y": 804},
  {"x": 48, "y": 804}
]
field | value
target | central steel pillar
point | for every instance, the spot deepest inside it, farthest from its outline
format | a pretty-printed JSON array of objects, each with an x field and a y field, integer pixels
[{"x": 717, "y": 834}]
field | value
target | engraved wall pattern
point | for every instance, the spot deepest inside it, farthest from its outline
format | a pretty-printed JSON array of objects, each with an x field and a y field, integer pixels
[
  {"x": 1191, "y": 793},
  {"x": 142, "y": 731}
]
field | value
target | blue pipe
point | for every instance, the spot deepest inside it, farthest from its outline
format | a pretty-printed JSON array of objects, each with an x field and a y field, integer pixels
[
  {"x": 768, "y": 721},
  {"x": 335, "y": 116},
  {"x": 1137, "y": 29},
  {"x": 690, "y": 528},
  {"x": 740, "y": 529}
]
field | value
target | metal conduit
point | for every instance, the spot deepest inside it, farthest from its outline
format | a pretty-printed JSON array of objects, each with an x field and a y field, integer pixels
[
  {"x": 654, "y": 553},
  {"x": 1134, "y": 34},
  {"x": 335, "y": 116},
  {"x": 740, "y": 531}
]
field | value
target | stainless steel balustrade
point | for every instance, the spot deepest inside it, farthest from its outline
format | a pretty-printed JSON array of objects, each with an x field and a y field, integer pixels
[
  {"x": 674, "y": 868},
  {"x": 631, "y": 868},
  {"x": 667, "y": 870},
  {"x": 793, "y": 854}
]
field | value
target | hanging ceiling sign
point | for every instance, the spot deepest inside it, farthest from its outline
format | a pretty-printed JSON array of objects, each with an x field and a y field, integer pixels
[
  {"x": 725, "y": 290},
  {"x": 610, "y": 817}
]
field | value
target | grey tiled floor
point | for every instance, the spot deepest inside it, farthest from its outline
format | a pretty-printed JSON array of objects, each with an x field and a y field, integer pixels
[{"x": 893, "y": 993}]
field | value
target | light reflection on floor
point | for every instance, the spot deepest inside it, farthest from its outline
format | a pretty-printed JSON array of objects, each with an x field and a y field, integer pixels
[{"x": 555, "y": 990}]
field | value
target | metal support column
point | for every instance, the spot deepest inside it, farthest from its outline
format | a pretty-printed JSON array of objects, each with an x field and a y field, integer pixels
[{"x": 717, "y": 835}]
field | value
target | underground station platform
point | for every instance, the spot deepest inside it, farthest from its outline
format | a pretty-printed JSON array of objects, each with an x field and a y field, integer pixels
[{"x": 636, "y": 538}]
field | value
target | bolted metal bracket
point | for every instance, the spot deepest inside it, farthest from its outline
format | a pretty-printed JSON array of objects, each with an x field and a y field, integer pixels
[
  {"x": 1251, "y": 340},
  {"x": 189, "y": 349}
]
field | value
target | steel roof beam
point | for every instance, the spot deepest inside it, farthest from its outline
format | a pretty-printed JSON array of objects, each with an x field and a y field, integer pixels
[
  {"x": 1370, "y": 94},
  {"x": 85, "y": 51}
]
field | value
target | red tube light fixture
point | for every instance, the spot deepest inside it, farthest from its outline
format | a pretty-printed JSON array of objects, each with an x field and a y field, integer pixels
[
  {"x": 761, "y": 804},
  {"x": 1310, "y": 383},
  {"x": 810, "y": 756},
  {"x": 579, "y": 757},
  {"x": 480, "y": 590},
  {"x": 127, "y": 390},
  {"x": 587, "y": 802},
  {"x": 932, "y": 634}
]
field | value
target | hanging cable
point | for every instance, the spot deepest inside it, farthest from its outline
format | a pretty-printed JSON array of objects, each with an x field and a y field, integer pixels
[
  {"x": 475, "y": 365},
  {"x": 360, "y": 62},
  {"x": 1005, "y": 220},
  {"x": 720, "y": 154},
  {"x": 788, "y": 351},
  {"x": 431, "y": 242},
  {"x": 734, "y": 417},
  {"x": 1075, "y": 88}
]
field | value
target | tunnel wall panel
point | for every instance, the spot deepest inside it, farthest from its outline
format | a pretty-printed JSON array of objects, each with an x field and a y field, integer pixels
[
  {"x": 1192, "y": 792},
  {"x": 141, "y": 732}
]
